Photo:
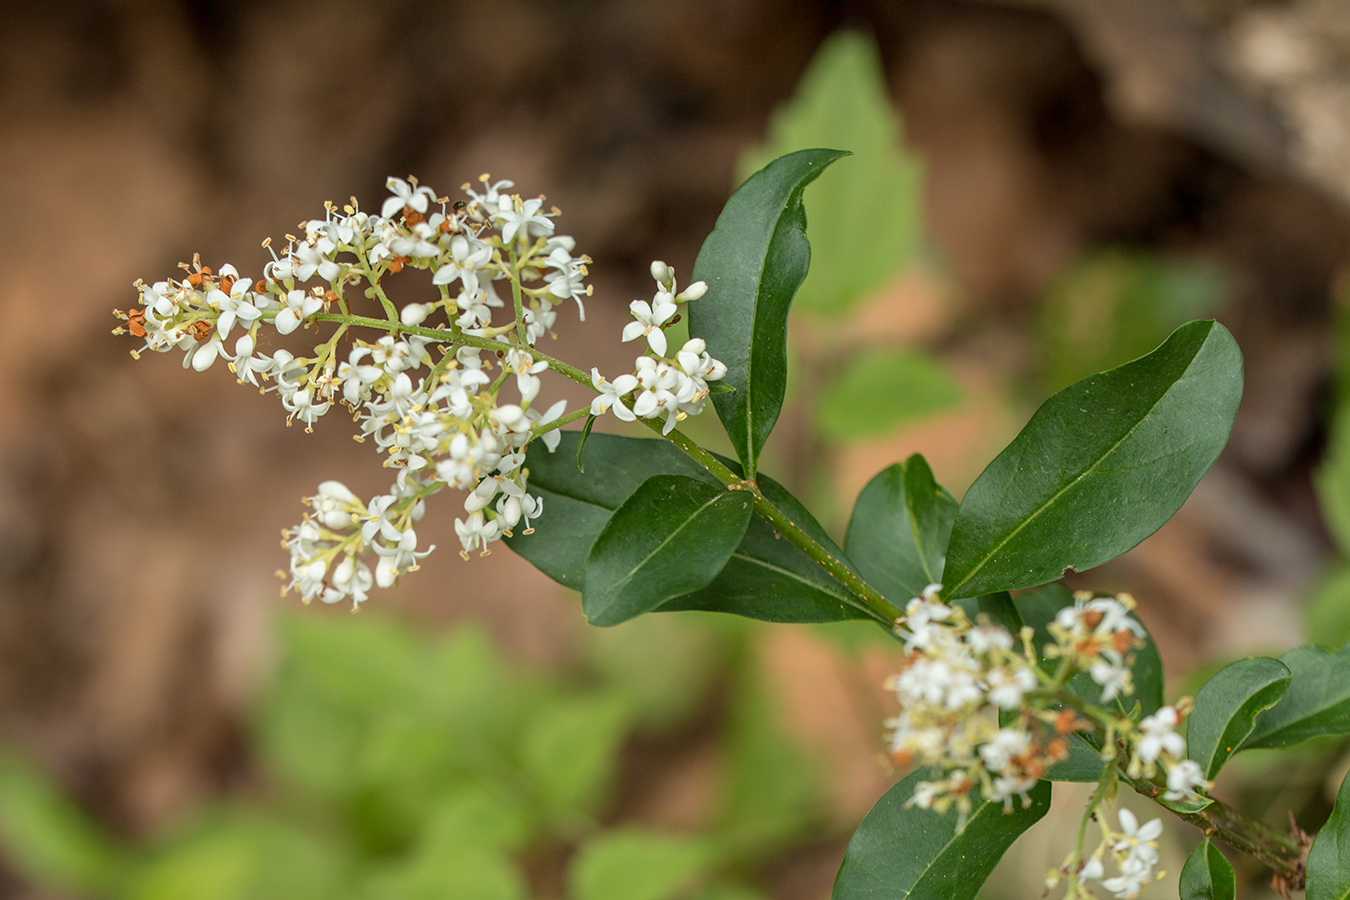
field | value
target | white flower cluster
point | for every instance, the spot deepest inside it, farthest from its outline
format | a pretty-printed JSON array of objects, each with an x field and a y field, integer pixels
[
  {"x": 956, "y": 677},
  {"x": 1134, "y": 852},
  {"x": 661, "y": 387},
  {"x": 425, "y": 391},
  {"x": 976, "y": 707},
  {"x": 1098, "y": 635}
]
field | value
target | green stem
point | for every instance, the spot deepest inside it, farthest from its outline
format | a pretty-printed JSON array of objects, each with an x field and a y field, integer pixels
[{"x": 868, "y": 599}]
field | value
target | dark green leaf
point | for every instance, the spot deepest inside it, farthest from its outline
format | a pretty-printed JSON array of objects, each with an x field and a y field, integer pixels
[
  {"x": 866, "y": 217},
  {"x": 880, "y": 390},
  {"x": 579, "y": 503},
  {"x": 1317, "y": 702},
  {"x": 1208, "y": 875},
  {"x": 897, "y": 535},
  {"x": 1329, "y": 858},
  {"x": 670, "y": 538},
  {"x": 906, "y": 852},
  {"x": 1226, "y": 707},
  {"x": 753, "y": 263},
  {"x": 1100, "y": 466},
  {"x": 766, "y": 578},
  {"x": 635, "y": 865}
]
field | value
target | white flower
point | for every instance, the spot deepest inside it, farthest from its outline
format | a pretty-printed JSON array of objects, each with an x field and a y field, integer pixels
[
  {"x": 552, "y": 438},
  {"x": 400, "y": 558},
  {"x": 467, "y": 256},
  {"x": 1160, "y": 736},
  {"x": 1114, "y": 677},
  {"x": 405, "y": 195},
  {"x": 521, "y": 217},
  {"x": 611, "y": 395},
  {"x": 650, "y": 320},
  {"x": 300, "y": 305},
  {"x": 235, "y": 305},
  {"x": 476, "y": 532},
  {"x": 1185, "y": 781},
  {"x": 1008, "y": 687},
  {"x": 566, "y": 281},
  {"x": 351, "y": 578}
]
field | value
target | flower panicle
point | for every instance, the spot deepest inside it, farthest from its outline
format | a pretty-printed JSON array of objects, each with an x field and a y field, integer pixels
[{"x": 441, "y": 406}]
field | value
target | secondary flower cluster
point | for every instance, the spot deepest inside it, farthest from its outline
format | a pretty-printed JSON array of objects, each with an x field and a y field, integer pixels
[
  {"x": 1134, "y": 853},
  {"x": 977, "y": 708},
  {"x": 429, "y": 388},
  {"x": 956, "y": 678},
  {"x": 667, "y": 388}
]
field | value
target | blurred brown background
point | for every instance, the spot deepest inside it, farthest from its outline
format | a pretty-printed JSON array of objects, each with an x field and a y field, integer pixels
[{"x": 140, "y": 505}]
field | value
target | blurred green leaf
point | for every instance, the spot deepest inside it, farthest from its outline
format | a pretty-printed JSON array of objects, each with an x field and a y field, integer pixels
[
  {"x": 1328, "y": 615},
  {"x": 753, "y": 262},
  {"x": 628, "y": 864},
  {"x": 1100, "y": 466},
  {"x": 468, "y": 872},
  {"x": 1208, "y": 875},
  {"x": 482, "y": 814},
  {"x": 669, "y": 538},
  {"x": 772, "y": 793},
  {"x": 903, "y": 851},
  {"x": 569, "y": 752},
  {"x": 879, "y": 390},
  {"x": 1226, "y": 707},
  {"x": 665, "y": 665},
  {"x": 234, "y": 855},
  {"x": 48, "y": 838},
  {"x": 1116, "y": 305},
  {"x": 866, "y": 217}
]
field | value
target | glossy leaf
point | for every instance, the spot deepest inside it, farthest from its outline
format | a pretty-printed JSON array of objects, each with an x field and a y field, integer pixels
[
  {"x": 1329, "y": 858},
  {"x": 768, "y": 578},
  {"x": 897, "y": 535},
  {"x": 765, "y": 578},
  {"x": 1208, "y": 875},
  {"x": 1317, "y": 702},
  {"x": 1226, "y": 707},
  {"x": 670, "y": 538},
  {"x": 866, "y": 217},
  {"x": 753, "y": 263},
  {"x": 1100, "y": 466},
  {"x": 906, "y": 852}
]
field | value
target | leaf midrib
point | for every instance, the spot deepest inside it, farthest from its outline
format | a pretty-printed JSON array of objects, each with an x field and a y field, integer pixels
[{"x": 1077, "y": 478}]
